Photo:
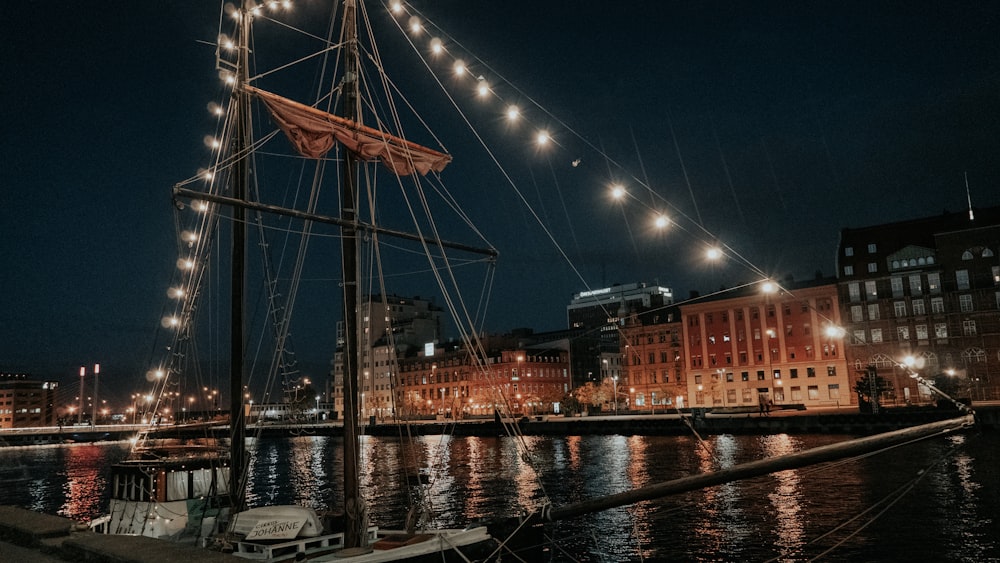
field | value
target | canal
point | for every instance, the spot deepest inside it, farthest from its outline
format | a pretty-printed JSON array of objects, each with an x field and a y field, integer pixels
[{"x": 932, "y": 501}]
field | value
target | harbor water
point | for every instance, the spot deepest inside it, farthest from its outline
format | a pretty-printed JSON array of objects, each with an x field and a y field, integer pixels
[{"x": 937, "y": 500}]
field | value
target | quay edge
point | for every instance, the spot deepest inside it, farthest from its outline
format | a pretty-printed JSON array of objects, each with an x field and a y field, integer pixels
[{"x": 781, "y": 421}]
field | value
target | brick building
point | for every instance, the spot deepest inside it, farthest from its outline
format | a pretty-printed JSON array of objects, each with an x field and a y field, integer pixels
[
  {"x": 929, "y": 289},
  {"x": 750, "y": 344}
]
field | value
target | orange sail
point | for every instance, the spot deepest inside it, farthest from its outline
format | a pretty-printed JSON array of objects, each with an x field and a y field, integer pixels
[{"x": 313, "y": 132}]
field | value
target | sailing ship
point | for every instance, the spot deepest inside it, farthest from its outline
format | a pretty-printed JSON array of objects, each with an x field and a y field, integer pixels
[{"x": 195, "y": 492}]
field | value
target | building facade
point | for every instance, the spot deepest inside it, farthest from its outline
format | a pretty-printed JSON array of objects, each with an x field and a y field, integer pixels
[
  {"x": 391, "y": 326},
  {"x": 653, "y": 377},
  {"x": 26, "y": 403},
  {"x": 926, "y": 289},
  {"x": 454, "y": 384},
  {"x": 597, "y": 317},
  {"x": 750, "y": 346}
]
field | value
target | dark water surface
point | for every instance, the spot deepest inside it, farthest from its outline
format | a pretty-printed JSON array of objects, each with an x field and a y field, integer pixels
[{"x": 933, "y": 501}]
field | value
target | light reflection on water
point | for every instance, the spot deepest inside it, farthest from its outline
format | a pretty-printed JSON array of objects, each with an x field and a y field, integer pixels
[{"x": 950, "y": 515}]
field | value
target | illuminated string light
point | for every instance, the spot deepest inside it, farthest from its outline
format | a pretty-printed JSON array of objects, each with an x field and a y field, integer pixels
[
  {"x": 543, "y": 138},
  {"x": 176, "y": 292},
  {"x": 396, "y": 7},
  {"x": 437, "y": 47},
  {"x": 618, "y": 191},
  {"x": 459, "y": 67},
  {"x": 513, "y": 113},
  {"x": 662, "y": 221},
  {"x": 483, "y": 88},
  {"x": 713, "y": 253},
  {"x": 415, "y": 25}
]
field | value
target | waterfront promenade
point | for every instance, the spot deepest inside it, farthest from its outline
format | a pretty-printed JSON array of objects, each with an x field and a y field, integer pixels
[{"x": 844, "y": 420}]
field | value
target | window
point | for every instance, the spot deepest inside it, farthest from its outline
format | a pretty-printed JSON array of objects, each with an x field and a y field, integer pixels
[
  {"x": 859, "y": 336},
  {"x": 848, "y": 251},
  {"x": 810, "y": 372},
  {"x": 697, "y": 378},
  {"x": 813, "y": 391},
  {"x": 996, "y": 274},
  {"x": 934, "y": 283},
  {"x": 777, "y": 374},
  {"x": 848, "y": 270},
  {"x": 744, "y": 376},
  {"x": 857, "y": 313},
  {"x": 918, "y": 307},
  {"x": 872, "y": 267},
  {"x": 969, "y": 328},
  {"x": 899, "y": 308},
  {"x": 793, "y": 373},
  {"x": 937, "y": 305},
  {"x": 873, "y": 312},
  {"x": 760, "y": 375},
  {"x": 915, "y": 287},
  {"x": 831, "y": 371},
  {"x": 871, "y": 289},
  {"x": 896, "y": 284},
  {"x": 854, "y": 291},
  {"x": 941, "y": 330},
  {"x": 871, "y": 248},
  {"x": 729, "y": 377},
  {"x": 965, "y": 303},
  {"x": 962, "y": 279},
  {"x": 834, "y": 390},
  {"x": 876, "y": 335},
  {"x": 921, "y": 331},
  {"x": 903, "y": 332}
]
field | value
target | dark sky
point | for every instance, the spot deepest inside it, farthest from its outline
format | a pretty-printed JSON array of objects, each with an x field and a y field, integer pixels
[{"x": 771, "y": 124}]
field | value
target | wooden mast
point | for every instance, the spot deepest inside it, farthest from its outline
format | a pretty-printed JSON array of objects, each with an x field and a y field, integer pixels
[
  {"x": 354, "y": 535},
  {"x": 237, "y": 428}
]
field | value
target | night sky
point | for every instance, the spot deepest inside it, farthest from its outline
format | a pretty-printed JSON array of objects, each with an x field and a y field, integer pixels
[{"x": 772, "y": 125}]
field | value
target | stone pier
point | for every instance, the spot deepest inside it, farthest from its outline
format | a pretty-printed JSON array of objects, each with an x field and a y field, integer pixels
[{"x": 27, "y": 536}]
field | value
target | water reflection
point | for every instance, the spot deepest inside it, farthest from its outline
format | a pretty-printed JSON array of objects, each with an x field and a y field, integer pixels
[{"x": 949, "y": 515}]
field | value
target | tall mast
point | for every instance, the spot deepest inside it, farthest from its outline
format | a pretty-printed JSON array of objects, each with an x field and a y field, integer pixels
[
  {"x": 241, "y": 140},
  {"x": 353, "y": 512}
]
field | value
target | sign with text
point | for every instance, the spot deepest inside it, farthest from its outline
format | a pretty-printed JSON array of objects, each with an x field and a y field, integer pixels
[{"x": 276, "y": 529}]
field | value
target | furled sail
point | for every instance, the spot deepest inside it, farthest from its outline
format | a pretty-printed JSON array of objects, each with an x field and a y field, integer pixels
[{"x": 313, "y": 132}]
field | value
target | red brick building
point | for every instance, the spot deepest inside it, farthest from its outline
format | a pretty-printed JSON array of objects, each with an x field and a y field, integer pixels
[
  {"x": 750, "y": 345},
  {"x": 453, "y": 385}
]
